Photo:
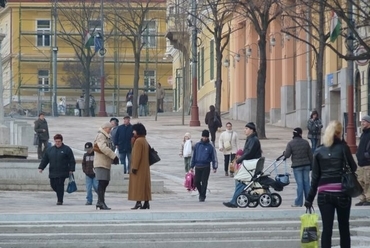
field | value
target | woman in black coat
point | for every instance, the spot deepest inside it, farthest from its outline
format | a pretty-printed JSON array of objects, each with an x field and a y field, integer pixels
[{"x": 213, "y": 120}]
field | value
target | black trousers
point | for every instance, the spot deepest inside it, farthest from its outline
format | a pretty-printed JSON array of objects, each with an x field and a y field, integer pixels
[
  {"x": 227, "y": 159},
  {"x": 43, "y": 144},
  {"x": 213, "y": 131},
  {"x": 328, "y": 203},
  {"x": 57, "y": 184},
  {"x": 201, "y": 180}
]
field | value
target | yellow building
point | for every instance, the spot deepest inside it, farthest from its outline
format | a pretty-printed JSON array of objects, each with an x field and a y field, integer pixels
[{"x": 29, "y": 44}]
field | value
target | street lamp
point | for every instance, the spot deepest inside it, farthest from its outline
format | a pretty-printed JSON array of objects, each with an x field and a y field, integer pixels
[
  {"x": 102, "y": 110},
  {"x": 55, "y": 59}
]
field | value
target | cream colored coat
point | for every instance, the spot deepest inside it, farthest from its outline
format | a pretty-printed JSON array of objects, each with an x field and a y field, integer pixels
[
  {"x": 105, "y": 158},
  {"x": 226, "y": 136},
  {"x": 139, "y": 188}
]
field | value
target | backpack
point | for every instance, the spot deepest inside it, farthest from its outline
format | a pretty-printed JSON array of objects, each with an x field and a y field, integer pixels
[{"x": 189, "y": 181}]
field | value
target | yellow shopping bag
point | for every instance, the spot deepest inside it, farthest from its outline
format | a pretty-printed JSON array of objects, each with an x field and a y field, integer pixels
[{"x": 309, "y": 230}]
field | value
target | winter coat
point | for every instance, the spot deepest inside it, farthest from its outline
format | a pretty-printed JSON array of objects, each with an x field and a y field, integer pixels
[
  {"x": 40, "y": 126},
  {"x": 252, "y": 149},
  {"x": 314, "y": 128},
  {"x": 187, "y": 148},
  {"x": 143, "y": 99},
  {"x": 300, "y": 151},
  {"x": 105, "y": 145},
  {"x": 328, "y": 165},
  {"x": 61, "y": 161},
  {"x": 160, "y": 93},
  {"x": 122, "y": 138},
  {"x": 364, "y": 143},
  {"x": 228, "y": 136},
  {"x": 139, "y": 188},
  {"x": 88, "y": 164},
  {"x": 113, "y": 134},
  {"x": 204, "y": 153},
  {"x": 210, "y": 118}
]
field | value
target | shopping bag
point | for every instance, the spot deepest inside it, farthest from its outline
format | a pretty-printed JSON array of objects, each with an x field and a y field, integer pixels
[
  {"x": 309, "y": 229},
  {"x": 71, "y": 187}
]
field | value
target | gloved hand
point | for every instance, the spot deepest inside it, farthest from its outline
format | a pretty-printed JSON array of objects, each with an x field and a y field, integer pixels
[
  {"x": 115, "y": 160},
  {"x": 308, "y": 204},
  {"x": 134, "y": 171}
]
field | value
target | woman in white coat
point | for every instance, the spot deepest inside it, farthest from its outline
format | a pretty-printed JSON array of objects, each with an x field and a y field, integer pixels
[{"x": 228, "y": 144}]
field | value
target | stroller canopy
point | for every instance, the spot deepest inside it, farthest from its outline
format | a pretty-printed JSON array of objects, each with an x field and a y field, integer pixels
[{"x": 250, "y": 168}]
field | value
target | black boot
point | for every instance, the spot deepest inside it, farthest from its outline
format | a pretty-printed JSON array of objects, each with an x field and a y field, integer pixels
[
  {"x": 137, "y": 205},
  {"x": 101, "y": 204},
  {"x": 146, "y": 205}
]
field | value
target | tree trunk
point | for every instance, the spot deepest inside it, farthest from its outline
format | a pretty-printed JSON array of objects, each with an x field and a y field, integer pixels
[
  {"x": 261, "y": 92},
  {"x": 136, "y": 84},
  {"x": 320, "y": 59},
  {"x": 87, "y": 88},
  {"x": 218, "y": 74}
]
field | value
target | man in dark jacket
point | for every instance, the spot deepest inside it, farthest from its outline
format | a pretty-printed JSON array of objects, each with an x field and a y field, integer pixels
[
  {"x": 204, "y": 154},
  {"x": 122, "y": 141},
  {"x": 363, "y": 158},
  {"x": 252, "y": 150},
  {"x": 62, "y": 164},
  {"x": 143, "y": 101},
  {"x": 42, "y": 130}
]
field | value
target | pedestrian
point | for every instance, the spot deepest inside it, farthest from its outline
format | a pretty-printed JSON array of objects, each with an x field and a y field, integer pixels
[
  {"x": 160, "y": 93},
  {"x": 204, "y": 154},
  {"x": 42, "y": 129},
  {"x": 143, "y": 102},
  {"x": 61, "y": 164},
  {"x": 114, "y": 121},
  {"x": 62, "y": 105},
  {"x": 300, "y": 151},
  {"x": 88, "y": 169},
  {"x": 139, "y": 188},
  {"x": 122, "y": 141},
  {"x": 104, "y": 157},
  {"x": 327, "y": 169},
  {"x": 314, "y": 127},
  {"x": 228, "y": 144},
  {"x": 186, "y": 151},
  {"x": 80, "y": 105},
  {"x": 130, "y": 95},
  {"x": 213, "y": 120},
  {"x": 363, "y": 158},
  {"x": 92, "y": 105},
  {"x": 252, "y": 150},
  {"x": 129, "y": 108}
]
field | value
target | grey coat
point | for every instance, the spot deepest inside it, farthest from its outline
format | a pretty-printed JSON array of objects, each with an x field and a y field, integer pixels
[
  {"x": 300, "y": 151},
  {"x": 314, "y": 128}
]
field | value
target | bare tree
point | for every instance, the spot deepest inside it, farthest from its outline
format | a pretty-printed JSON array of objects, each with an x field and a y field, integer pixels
[
  {"x": 133, "y": 21},
  {"x": 261, "y": 14},
  {"x": 79, "y": 21}
]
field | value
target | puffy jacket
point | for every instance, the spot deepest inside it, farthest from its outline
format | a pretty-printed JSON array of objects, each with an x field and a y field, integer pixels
[
  {"x": 40, "y": 126},
  {"x": 61, "y": 160},
  {"x": 328, "y": 163},
  {"x": 364, "y": 141},
  {"x": 105, "y": 158},
  {"x": 314, "y": 128},
  {"x": 204, "y": 153},
  {"x": 252, "y": 149},
  {"x": 122, "y": 138},
  {"x": 300, "y": 151}
]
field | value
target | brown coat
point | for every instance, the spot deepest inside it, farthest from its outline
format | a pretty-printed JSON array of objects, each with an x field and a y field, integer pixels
[
  {"x": 139, "y": 188},
  {"x": 105, "y": 158}
]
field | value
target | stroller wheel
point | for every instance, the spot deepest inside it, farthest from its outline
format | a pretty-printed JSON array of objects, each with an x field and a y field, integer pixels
[
  {"x": 276, "y": 200},
  {"x": 265, "y": 200},
  {"x": 242, "y": 200},
  {"x": 253, "y": 204}
]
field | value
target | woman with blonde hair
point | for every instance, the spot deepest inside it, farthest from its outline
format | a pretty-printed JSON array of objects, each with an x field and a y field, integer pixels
[{"x": 328, "y": 162}]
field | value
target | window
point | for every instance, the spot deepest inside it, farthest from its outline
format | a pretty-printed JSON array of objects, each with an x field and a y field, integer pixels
[
  {"x": 149, "y": 80},
  {"x": 43, "y": 76},
  {"x": 202, "y": 66},
  {"x": 43, "y": 33},
  {"x": 149, "y": 33},
  {"x": 212, "y": 59}
]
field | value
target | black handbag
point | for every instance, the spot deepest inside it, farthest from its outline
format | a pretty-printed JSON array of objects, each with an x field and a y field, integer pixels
[
  {"x": 350, "y": 184},
  {"x": 36, "y": 139},
  {"x": 153, "y": 156}
]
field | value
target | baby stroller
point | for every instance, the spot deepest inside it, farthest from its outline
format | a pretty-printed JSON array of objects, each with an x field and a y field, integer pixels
[{"x": 258, "y": 183}]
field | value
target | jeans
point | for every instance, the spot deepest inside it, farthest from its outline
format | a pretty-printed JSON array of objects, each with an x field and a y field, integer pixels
[
  {"x": 122, "y": 158},
  {"x": 187, "y": 162},
  {"x": 364, "y": 179},
  {"x": 142, "y": 109},
  {"x": 90, "y": 184},
  {"x": 43, "y": 144},
  {"x": 314, "y": 144},
  {"x": 92, "y": 111},
  {"x": 201, "y": 180},
  {"x": 328, "y": 202},
  {"x": 302, "y": 177},
  {"x": 239, "y": 188},
  {"x": 57, "y": 184},
  {"x": 227, "y": 159}
]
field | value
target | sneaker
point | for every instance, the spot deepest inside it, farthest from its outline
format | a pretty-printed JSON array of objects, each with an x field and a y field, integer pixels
[
  {"x": 366, "y": 203},
  {"x": 229, "y": 205},
  {"x": 359, "y": 203},
  {"x": 226, "y": 174},
  {"x": 88, "y": 203},
  {"x": 201, "y": 199},
  {"x": 59, "y": 203},
  {"x": 296, "y": 206}
]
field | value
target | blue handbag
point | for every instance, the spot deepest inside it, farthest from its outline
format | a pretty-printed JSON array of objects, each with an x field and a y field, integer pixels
[{"x": 71, "y": 187}]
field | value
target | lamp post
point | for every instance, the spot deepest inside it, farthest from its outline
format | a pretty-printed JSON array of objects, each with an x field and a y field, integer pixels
[
  {"x": 102, "y": 111},
  {"x": 351, "y": 138},
  {"x": 4, "y": 130},
  {"x": 54, "y": 68},
  {"x": 194, "y": 121}
]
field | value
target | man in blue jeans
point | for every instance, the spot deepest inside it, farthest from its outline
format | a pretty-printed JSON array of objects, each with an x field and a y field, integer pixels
[
  {"x": 88, "y": 169},
  {"x": 122, "y": 141}
]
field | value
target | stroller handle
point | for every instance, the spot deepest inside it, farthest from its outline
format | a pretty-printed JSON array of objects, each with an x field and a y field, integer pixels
[{"x": 280, "y": 157}]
